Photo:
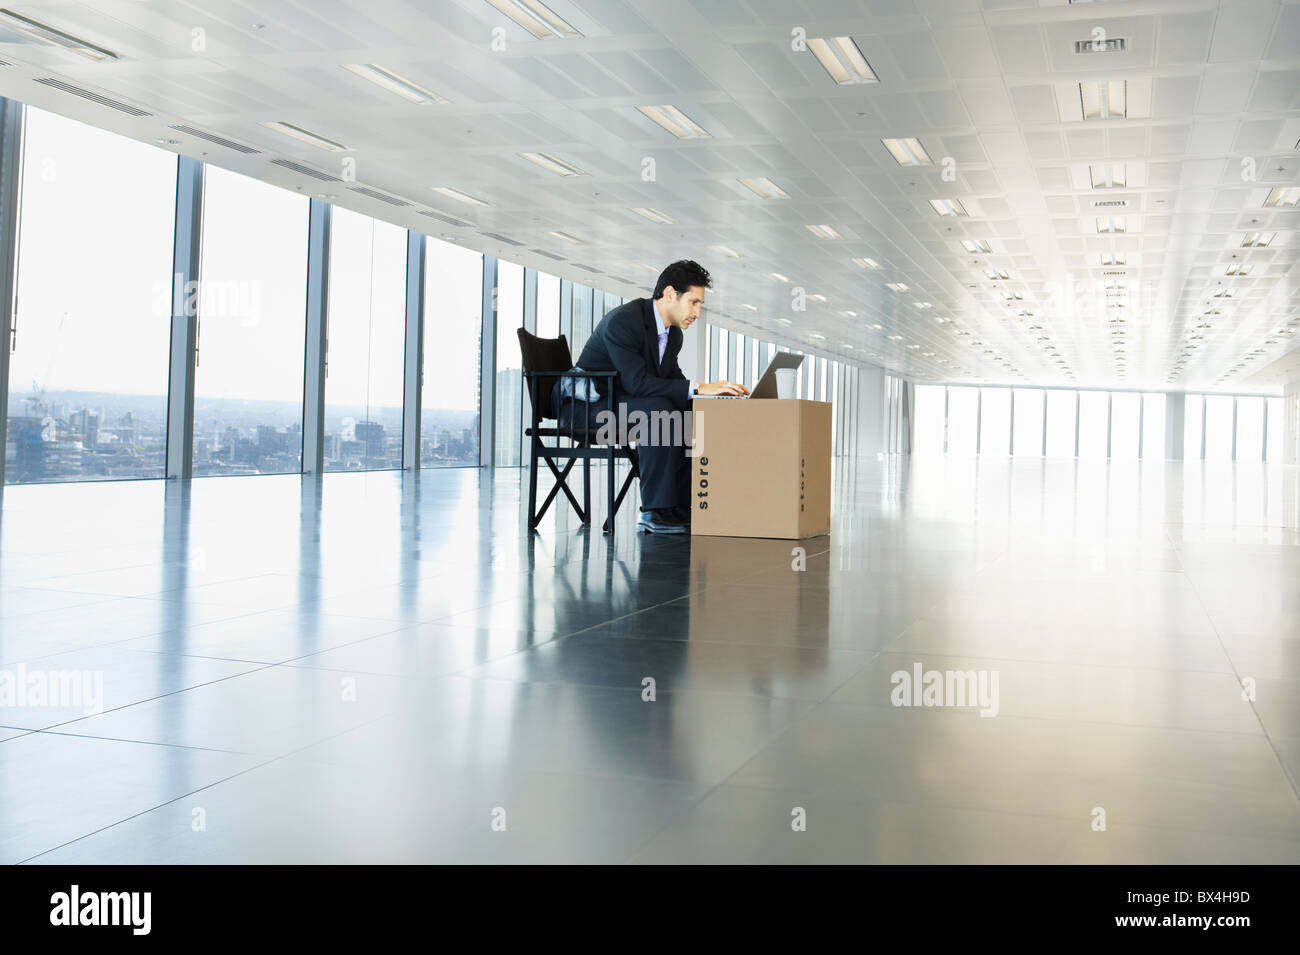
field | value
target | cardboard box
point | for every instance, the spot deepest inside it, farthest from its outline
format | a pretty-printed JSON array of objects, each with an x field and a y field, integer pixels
[{"x": 762, "y": 468}]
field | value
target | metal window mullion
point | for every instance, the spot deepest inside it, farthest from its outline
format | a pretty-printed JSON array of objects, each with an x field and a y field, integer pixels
[
  {"x": 488, "y": 367},
  {"x": 11, "y": 160},
  {"x": 530, "y": 326},
  {"x": 183, "y": 351},
  {"x": 413, "y": 365},
  {"x": 1110, "y": 398},
  {"x": 316, "y": 353},
  {"x": 1234, "y": 427},
  {"x": 1044, "y": 452}
]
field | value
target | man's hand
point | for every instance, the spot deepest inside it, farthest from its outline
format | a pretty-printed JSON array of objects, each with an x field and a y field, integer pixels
[{"x": 722, "y": 388}]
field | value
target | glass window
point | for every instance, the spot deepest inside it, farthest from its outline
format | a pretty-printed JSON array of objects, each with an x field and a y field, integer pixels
[
  {"x": 1193, "y": 408},
  {"x": 1250, "y": 429},
  {"x": 548, "y": 306},
  {"x": 367, "y": 340},
  {"x": 1125, "y": 408},
  {"x": 1060, "y": 423},
  {"x": 713, "y": 352},
  {"x": 252, "y": 327},
  {"x": 1218, "y": 428},
  {"x": 963, "y": 404},
  {"x": 510, "y": 375},
  {"x": 755, "y": 367},
  {"x": 1276, "y": 428},
  {"x": 1092, "y": 424},
  {"x": 1153, "y": 427},
  {"x": 929, "y": 418},
  {"x": 453, "y": 332},
  {"x": 995, "y": 421},
  {"x": 88, "y": 373},
  {"x": 1028, "y": 425},
  {"x": 724, "y": 371}
]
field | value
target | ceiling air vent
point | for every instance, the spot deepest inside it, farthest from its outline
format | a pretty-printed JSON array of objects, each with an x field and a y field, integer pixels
[
  {"x": 304, "y": 170},
  {"x": 1110, "y": 203},
  {"x": 1114, "y": 273},
  {"x": 219, "y": 140},
  {"x": 549, "y": 255},
  {"x": 500, "y": 238},
  {"x": 93, "y": 97},
  {"x": 1116, "y": 44},
  {"x": 586, "y": 268},
  {"x": 376, "y": 194},
  {"x": 450, "y": 220}
]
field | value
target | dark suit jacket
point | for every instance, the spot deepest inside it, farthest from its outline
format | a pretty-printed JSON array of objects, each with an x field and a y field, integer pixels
[{"x": 627, "y": 341}]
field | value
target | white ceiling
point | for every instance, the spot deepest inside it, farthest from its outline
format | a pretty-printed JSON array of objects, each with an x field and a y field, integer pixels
[{"x": 990, "y": 83}]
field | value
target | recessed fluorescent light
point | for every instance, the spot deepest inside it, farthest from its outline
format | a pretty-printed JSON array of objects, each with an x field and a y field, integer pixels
[
  {"x": 1223, "y": 293},
  {"x": 654, "y": 215},
  {"x": 553, "y": 164},
  {"x": 867, "y": 263},
  {"x": 948, "y": 207},
  {"x": 784, "y": 321},
  {"x": 724, "y": 250},
  {"x": 395, "y": 83},
  {"x": 459, "y": 196},
  {"x": 1112, "y": 224},
  {"x": 778, "y": 276},
  {"x": 848, "y": 314},
  {"x": 842, "y": 59},
  {"x": 1106, "y": 100},
  {"x": 1282, "y": 197},
  {"x": 1238, "y": 268},
  {"x": 1257, "y": 240},
  {"x": 923, "y": 304},
  {"x": 536, "y": 17},
  {"x": 976, "y": 245},
  {"x": 822, "y": 231},
  {"x": 306, "y": 136},
  {"x": 895, "y": 338},
  {"x": 566, "y": 237},
  {"x": 817, "y": 335},
  {"x": 1107, "y": 175},
  {"x": 997, "y": 275},
  {"x": 765, "y": 188},
  {"x": 752, "y": 308},
  {"x": 897, "y": 286},
  {"x": 675, "y": 121},
  {"x": 818, "y": 298},
  {"x": 908, "y": 151},
  {"x": 941, "y": 320},
  {"x": 44, "y": 33},
  {"x": 878, "y": 327},
  {"x": 1113, "y": 258}
]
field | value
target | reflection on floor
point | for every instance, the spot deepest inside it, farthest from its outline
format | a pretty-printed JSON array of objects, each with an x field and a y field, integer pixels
[{"x": 387, "y": 667}]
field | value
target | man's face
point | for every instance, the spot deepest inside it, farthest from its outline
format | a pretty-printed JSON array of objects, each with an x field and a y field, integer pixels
[{"x": 682, "y": 310}]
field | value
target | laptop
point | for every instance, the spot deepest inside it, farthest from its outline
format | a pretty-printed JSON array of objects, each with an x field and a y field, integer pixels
[{"x": 766, "y": 387}]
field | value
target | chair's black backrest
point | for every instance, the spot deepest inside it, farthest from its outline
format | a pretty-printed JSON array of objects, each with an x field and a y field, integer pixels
[{"x": 544, "y": 354}]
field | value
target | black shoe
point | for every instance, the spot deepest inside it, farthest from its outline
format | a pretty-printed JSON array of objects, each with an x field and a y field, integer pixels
[
  {"x": 683, "y": 515},
  {"x": 661, "y": 521}
]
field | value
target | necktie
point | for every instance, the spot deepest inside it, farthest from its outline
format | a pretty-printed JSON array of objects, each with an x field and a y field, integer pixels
[{"x": 663, "y": 343}]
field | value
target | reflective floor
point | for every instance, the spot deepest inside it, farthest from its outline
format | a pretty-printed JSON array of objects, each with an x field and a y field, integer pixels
[{"x": 387, "y": 667}]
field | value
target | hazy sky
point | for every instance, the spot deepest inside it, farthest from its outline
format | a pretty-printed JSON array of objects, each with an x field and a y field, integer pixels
[{"x": 95, "y": 258}]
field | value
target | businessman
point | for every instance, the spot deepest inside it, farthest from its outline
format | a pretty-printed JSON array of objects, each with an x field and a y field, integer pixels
[{"x": 641, "y": 340}]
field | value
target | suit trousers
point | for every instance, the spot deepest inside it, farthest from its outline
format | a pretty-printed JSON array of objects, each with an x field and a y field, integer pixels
[{"x": 661, "y": 457}]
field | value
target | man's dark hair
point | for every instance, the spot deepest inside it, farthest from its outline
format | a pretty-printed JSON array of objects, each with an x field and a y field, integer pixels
[{"x": 681, "y": 276}]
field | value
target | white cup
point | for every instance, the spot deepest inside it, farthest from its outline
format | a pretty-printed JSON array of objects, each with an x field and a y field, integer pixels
[{"x": 785, "y": 382}]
